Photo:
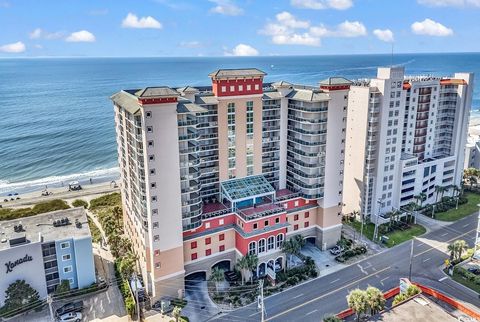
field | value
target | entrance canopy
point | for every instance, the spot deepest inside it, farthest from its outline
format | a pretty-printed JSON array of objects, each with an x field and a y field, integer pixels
[{"x": 241, "y": 191}]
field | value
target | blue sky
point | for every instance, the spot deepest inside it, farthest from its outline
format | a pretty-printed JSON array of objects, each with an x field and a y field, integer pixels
[{"x": 126, "y": 28}]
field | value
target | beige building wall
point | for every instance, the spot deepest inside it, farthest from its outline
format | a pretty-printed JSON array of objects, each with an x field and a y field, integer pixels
[
  {"x": 214, "y": 246},
  {"x": 240, "y": 135},
  {"x": 356, "y": 136}
]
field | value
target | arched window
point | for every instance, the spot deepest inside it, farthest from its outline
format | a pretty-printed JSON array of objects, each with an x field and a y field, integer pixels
[
  {"x": 279, "y": 240},
  {"x": 261, "y": 245},
  {"x": 252, "y": 248},
  {"x": 270, "y": 243}
]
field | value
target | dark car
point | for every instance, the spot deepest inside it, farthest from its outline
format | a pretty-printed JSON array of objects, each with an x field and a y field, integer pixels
[
  {"x": 76, "y": 306},
  {"x": 474, "y": 270}
]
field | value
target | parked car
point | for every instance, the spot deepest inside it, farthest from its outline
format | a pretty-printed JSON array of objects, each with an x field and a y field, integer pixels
[
  {"x": 74, "y": 307},
  {"x": 474, "y": 270},
  {"x": 335, "y": 250},
  {"x": 71, "y": 317}
]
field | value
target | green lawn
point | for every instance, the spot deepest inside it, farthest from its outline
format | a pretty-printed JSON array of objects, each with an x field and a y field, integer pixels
[
  {"x": 463, "y": 210},
  {"x": 399, "y": 236},
  {"x": 396, "y": 237},
  {"x": 471, "y": 285}
]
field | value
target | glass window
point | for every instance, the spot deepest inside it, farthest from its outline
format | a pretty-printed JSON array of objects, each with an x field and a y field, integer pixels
[
  {"x": 271, "y": 243},
  {"x": 279, "y": 240},
  {"x": 261, "y": 246},
  {"x": 252, "y": 248}
]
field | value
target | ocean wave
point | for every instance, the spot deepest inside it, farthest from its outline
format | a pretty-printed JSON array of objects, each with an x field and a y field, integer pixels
[{"x": 6, "y": 186}]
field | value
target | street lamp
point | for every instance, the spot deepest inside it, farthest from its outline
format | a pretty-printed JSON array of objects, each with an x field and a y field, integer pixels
[
  {"x": 477, "y": 238},
  {"x": 411, "y": 259},
  {"x": 375, "y": 233}
]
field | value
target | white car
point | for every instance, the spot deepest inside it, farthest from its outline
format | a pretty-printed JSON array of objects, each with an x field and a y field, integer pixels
[{"x": 71, "y": 317}]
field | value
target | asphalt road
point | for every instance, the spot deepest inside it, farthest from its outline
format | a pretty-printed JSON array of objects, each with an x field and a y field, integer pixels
[{"x": 327, "y": 295}]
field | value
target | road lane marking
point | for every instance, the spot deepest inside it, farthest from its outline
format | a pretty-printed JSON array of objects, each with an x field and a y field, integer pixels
[
  {"x": 253, "y": 314},
  {"x": 334, "y": 281},
  {"x": 438, "y": 248},
  {"x": 362, "y": 269},
  {"x": 464, "y": 226},
  {"x": 311, "y": 312},
  {"x": 386, "y": 278},
  {"x": 426, "y": 260},
  {"x": 443, "y": 278},
  {"x": 297, "y": 296},
  {"x": 443, "y": 235},
  {"x": 325, "y": 295}
]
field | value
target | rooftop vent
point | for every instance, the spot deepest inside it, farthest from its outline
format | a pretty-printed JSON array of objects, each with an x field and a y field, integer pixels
[
  {"x": 78, "y": 224},
  {"x": 61, "y": 222}
]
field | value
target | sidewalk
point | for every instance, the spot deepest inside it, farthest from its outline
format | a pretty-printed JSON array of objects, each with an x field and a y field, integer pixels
[
  {"x": 350, "y": 232},
  {"x": 431, "y": 224}
]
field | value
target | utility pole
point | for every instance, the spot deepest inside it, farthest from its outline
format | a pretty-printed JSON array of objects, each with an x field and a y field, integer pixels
[
  {"x": 375, "y": 233},
  {"x": 50, "y": 301},
  {"x": 477, "y": 237},
  {"x": 361, "y": 227},
  {"x": 261, "y": 304},
  {"x": 411, "y": 260},
  {"x": 136, "y": 298}
]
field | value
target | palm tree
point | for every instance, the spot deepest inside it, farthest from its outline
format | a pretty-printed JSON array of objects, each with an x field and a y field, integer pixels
[
  {"x": 217, "y": 276},
  {"x": 461, "y": 246},
  {"x": 357, "y": 301},
  {"x": 244, "y": 267},
  {"x": 177, "y": 312},
  {"x": 421, "y": 197},
  {"x": 411, "y": 207},
  {"x": 289, "y": 247},
  {"x": 439, "y": 190},
  {"x": 252, "y": 261},
  {"x": 375, "y": 300}
]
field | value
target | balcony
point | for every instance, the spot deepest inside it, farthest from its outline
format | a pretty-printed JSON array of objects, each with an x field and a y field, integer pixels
[{"x": 260, "y": 211}]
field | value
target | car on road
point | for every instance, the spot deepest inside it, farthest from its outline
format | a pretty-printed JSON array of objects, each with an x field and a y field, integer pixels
[
  {"x": 71, "y": 317},
  {"x": 74, "y": 307}
]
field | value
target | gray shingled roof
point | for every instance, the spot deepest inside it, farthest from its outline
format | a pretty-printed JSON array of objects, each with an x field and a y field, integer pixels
[
  {"x": 127, "y": 101},
  {"x": 185, "y": 106},
  {"x": 308, "y": 95},
  {"x": 208, "y": 100},
  {"x": 282, "y": 84},
  {"x": 156, "y": 92},
  {"x": 188, "y": 89},
  {"x": 271, "y": 95},
  {"x": 245, "y": 72},
  {"x": 336, "y": 81}
]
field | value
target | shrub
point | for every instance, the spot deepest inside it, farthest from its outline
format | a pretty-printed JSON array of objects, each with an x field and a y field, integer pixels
[
  {"x": 40, "y": 208},
  {"x": 110, "y": 200},
  {"x": 80, "y": 203}
]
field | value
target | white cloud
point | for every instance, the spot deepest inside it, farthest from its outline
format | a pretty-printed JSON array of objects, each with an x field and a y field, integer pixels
[
  {"x": 384, "y": 35},
  {"x": 288, "y": 30},
  {"x": 288, "y": 20},
  {"x": 17, "y": 47},
  {"x": 431, "y": 28},
  {"x": 40, "y": 33},
  {"x": 242, "y": 50},
  {"x": 322, "y": 4},
  {"x": 450, "y": 3},
  {"x": 350, "y": 29},
  {"x": 38, "y": 46},
  {"x": 191, "y": 44},
  {"x": 81, "y": 36},
  {"x": 226, "y": 7},
  {"x": 132, "y": 21}
]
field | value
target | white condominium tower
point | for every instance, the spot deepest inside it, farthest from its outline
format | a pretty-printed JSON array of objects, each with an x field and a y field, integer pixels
[{"x": 405, "y": 135}]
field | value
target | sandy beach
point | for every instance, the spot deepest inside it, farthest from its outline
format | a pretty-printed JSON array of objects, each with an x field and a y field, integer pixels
[{"x": 88, "y": 192}]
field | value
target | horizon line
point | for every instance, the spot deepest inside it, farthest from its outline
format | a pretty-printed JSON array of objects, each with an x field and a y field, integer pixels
[{"x": 235, "y": 57}]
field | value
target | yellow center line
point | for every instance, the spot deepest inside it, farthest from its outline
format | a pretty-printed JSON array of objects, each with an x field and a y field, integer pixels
[{"x": 326, "y": 294}]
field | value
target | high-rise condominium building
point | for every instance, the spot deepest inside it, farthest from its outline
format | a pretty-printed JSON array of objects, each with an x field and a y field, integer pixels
[
  {"x": 405, "y": 136},
  {"x": 210, "y": 174}
]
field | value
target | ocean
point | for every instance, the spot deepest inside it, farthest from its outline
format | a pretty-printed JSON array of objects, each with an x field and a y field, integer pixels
[{"x": 57, "y": 123}]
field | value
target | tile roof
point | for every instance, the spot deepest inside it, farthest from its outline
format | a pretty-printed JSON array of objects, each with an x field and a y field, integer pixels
[
  {"x": 228, "y": 73},
  {"x": 127, "y": 101},
  {"x": 336, "y": 81},
  {"x": 156, "y": 92},
  {"x": 308, "y": 95}
]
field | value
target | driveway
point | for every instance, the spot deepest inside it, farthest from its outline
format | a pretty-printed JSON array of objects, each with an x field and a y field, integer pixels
[
  {"x": 324, "y": 260},
  {"x": 199, "y": 305}
]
